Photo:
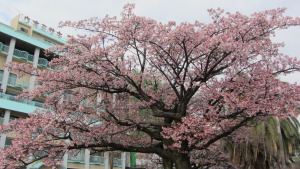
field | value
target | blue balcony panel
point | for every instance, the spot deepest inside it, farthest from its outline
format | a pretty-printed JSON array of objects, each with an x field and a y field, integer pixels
[
  {"x": 24, "y": 56},
  {"x": 96, "y": 160},
  {"x": 20, "y": 105},
  {"x": 41, "y": 165}
]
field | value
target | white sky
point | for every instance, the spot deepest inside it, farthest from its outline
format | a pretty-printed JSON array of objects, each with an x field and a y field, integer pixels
[{"x": 51, "y": 12}]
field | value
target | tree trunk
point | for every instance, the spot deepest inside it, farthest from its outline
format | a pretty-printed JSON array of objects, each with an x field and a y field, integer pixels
[
  {"x": 167, "y": 163},
  {"x": 182, "y": 162},
  {"x": 111, "y": 159}
]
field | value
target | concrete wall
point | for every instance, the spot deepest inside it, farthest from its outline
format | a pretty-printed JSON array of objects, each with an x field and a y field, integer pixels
[
  {"x": 14, "y": 22},
  {"x": 76, "y": 165},
  {"x": 2, "y": 60},
  {"x": 97, "y": 167}
]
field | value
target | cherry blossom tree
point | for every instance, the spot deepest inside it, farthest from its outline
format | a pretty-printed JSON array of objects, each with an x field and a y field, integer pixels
[
  {"x": 135, "y": 84},
  {"x": 149, "y": 161}
]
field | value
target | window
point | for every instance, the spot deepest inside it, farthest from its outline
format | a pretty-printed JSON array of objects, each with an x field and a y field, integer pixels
[
  {"x": 13, "y": 93},
  {"x": 49, "y": 42},
  {"x": 1, "y": 118},
  {"x": 8, "y": 142},
  {"x": 24, "y": 30},
  {"x": 39, "y": 100},
  {"x": 1, "y": 75},
  {"x": 12, "y": 79}
]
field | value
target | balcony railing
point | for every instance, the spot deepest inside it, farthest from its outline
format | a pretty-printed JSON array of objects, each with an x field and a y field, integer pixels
[
  {"x": 25, "y": 101},
  {"x": 2, "y": 120},
  {"x": 43, "y": 62},
  {"x": 3, "y": 48},
  {"x": 79, "y": 158},
  {"x": 15, "y": 82},
  {"x": 117, "y": 162},
  {"x": 18, "y": 83},
  {"x": 96, "y": 160},
  {"x": 24, "y": 56}
]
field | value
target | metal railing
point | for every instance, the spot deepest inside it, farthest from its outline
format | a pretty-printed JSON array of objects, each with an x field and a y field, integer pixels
[
  {"x": 96, "y": 159},
  {"x": 43, "y": 62},
  {"x": 30, "y": 58},
  {"x": 25, "y": 101},
  {"x": 11, "y": 81},
  {"x": 117, "y": 162},
  {"x": 15, "y": 82},
  {"x": 79, "y": 158},
  {"x": 21, "y": 54},
  {"x": 3, "y": 48},
  {"x": 24, "y": 56},
  {"x": 2, "y": 120}
]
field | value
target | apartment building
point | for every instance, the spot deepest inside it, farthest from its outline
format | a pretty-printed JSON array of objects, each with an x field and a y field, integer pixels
[{"x": 25, "y": 41}]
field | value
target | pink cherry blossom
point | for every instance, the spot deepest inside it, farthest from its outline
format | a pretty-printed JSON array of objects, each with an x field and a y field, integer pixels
[{"x": 135, "y": 84}]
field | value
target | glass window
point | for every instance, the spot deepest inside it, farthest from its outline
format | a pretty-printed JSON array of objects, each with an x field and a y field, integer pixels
[
  {"x": 8, "y": 142},
  {"x": 1, "y": 75},
  {"x": 12, "y": 79},
  {"x": 1, "y": 118},
  {"x": 23, "y": 30}
]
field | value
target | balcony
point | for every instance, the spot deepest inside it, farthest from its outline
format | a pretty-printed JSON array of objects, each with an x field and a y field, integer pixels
[
  {"x": 24, "y": 101},
  {"x": 23, "y": 55},
  {"x": 99, "y": 160},
  {"x": 79, "y": 158},
  {"x": 2, "y": 120},
  {"x": 96, "y": 160},
  {"x": 117, "y": 162},
  {"x": 16, "y": 83},
  {"x": 3, "y": 48},
  {"x": 43, "y": 63}
]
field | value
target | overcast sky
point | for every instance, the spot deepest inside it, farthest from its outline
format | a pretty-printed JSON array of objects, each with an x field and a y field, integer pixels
[{"x": 51, "y": 12}]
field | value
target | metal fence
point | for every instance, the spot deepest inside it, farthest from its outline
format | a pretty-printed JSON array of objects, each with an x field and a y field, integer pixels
[
  {"x": 24, "y": 55},
  {"x": 25, "y": 101}
]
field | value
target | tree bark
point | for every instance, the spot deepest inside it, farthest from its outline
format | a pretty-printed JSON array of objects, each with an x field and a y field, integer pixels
[
  {"x": 167, "y": 163},
  {"x": 111, "y": 159},
  {"x": 182, "y": 162}
]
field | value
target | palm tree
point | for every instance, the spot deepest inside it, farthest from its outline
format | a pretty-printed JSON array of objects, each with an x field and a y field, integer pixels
[{"x": 271, "y": 144}]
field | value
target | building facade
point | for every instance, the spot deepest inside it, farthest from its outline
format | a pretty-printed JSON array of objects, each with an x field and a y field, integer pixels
[{"x": 25, "y": 41}]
